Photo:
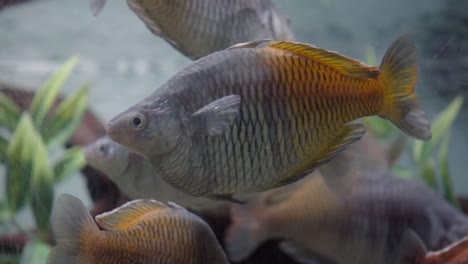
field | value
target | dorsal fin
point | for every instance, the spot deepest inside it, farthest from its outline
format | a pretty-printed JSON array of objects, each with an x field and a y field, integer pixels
[
  {"x": 128, "y": 214},
  {"x": 248, "y": 45},
  {"x": 341, "y": 63}
]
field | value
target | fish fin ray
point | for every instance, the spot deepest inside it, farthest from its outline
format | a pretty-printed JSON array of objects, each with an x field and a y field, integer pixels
[
  {"x": 144, "y": 16},
  {"x": 302, "y": 256},
  {"x": 128, "y": 214},
  {"x": 278, "y": 196},
  {"x": 215, "y": 117},
  {"x": 294, "y": 178},
  {"x": 339, "y": 62},
  {"x": 97, "y": 6},
  {"x": 225, "y": 197},
  {"x": 63, "y": 254},
  {"x": 142, "y": 13},
  {"x": 72, "y": 224},
  {"x": 175, "y": 206},
  {"x": 412, "y": 248},
  {"x": 242, "y": 235},
  {"x": 349, "y": 134},
  {"x": 249, "y": 45},
  {"x": 399, "y": 77}
]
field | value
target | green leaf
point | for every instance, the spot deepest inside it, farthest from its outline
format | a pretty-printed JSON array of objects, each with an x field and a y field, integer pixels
[
  {"x": 9, "y": 258},
  {"x": 19, "y": 165},
  {"x": 402, "y": 172},
  {"x": 3, "y": 150},
  {"x": 441, "y": 124},
  {"x": 429, "y": 175},
  {"x": 72, "y": 160},
  {"x": 5, "y": 214},
  {"x": 45, "y": 97},
  {"x": 371, "y": 58},
  {"x": 380, "y": 127},
  {"x": 65, "y": 120},
  {"x": 35, "y": 252},
  {"x": 42, "y": 186},
  {"x": 42, "y": 199},
  {"x": 29, "y": 172},
  {"x": 447, "y": 184},
  {"x": 9, "y": 113}
]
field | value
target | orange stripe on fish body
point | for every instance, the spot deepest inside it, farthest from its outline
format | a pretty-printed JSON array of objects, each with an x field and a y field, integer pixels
[
  {"x": 141, "y": 231},
  {"x": 267, "y": 114}
]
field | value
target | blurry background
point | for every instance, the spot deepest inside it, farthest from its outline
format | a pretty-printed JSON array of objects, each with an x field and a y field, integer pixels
[{"x": 124, "y": 62}]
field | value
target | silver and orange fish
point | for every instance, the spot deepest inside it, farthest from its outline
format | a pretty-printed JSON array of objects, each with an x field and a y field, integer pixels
[
  {"x": 140, "y": 231},
  {"x": 263, "y": 114},
  {"x": 134, "y": 175},
  {"x": 360, "y": 218},
  {"x": 199, "y": 27}
]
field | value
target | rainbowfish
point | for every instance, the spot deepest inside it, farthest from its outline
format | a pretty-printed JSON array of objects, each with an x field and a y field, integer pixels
[
  {"x": 134, "y": 175},
  {"x": 260, "y": 115},
  {"x": 373, "y": 219},
  {"x": 200, "y": 27},
  {"x": 140, "y": 231}
]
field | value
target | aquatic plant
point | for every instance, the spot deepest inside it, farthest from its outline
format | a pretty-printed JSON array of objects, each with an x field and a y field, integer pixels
[
  {"x": 428, "y": 160},
  {"x": 30, "y": 151},
  {"x": 424, "y": 155}
]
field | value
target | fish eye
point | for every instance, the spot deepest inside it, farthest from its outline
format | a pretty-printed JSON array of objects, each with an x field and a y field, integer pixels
[
  {"x": 137, "y": 122},
  {"x": 103, "y": 149}
]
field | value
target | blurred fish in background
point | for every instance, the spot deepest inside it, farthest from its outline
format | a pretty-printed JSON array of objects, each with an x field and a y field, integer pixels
[
  {"x": 200, "y": 27},
  {"x": 363, "y": 218},
  {"x": 140, "y": 231},
  {"x": 135, "y": 176}
]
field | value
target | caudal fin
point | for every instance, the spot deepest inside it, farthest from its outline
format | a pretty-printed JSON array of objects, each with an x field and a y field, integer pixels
[
  {"x": 72, "y": 224},
  {"x": 399, "y": 76},
  {"x": 242, "y": 237}
]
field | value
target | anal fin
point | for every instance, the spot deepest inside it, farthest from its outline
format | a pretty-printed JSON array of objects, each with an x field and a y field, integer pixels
[
  {"x": 348, "y": 134},
  {"x": 225, "y": 197}
]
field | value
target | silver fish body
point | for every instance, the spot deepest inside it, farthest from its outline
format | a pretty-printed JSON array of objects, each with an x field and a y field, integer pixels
[
  {"x": 134, "y": 175},
  {"x": 200, "y": 27},
  {"x": 258, "y": 116}
]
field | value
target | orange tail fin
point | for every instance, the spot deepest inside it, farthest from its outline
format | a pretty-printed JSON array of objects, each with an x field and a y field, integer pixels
[
  {"x": 71, "y": 222},
  {"x": 399, "y": 76}
]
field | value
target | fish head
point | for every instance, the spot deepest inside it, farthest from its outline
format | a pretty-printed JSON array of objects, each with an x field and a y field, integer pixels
[
  {"x": 148, "y": 130},
  {"x": 107, "y": 156}
]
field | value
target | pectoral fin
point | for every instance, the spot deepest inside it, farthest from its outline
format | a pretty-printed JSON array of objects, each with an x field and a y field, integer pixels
[{"x": 215, "y": 117}]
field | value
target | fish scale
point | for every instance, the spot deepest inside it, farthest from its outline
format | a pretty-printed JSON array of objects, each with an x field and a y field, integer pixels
[
  {"x": 285, "y": 113},
  {"x": 199, "y": 27},
  {"x": 287, "y": 105}
]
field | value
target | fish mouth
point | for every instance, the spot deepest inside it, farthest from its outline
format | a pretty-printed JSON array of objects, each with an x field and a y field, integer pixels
[{"x": 112, "y": 130}]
